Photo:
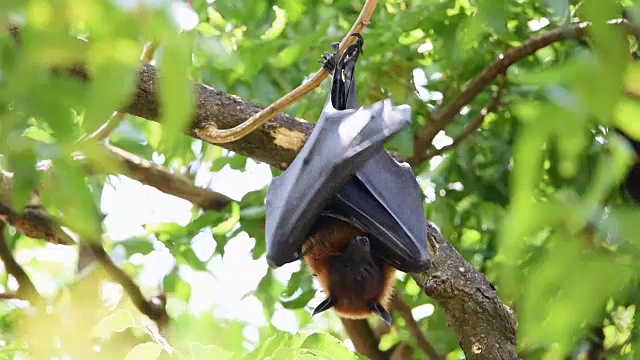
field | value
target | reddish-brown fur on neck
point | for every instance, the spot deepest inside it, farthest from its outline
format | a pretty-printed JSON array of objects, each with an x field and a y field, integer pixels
[{"x": 322, "y": 249}]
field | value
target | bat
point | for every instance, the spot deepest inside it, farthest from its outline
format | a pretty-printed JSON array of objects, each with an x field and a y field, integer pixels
[{"x": 345, "y": 205}]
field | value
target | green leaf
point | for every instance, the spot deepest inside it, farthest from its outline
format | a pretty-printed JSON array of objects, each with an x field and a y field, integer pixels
[
  {"x": 627, "y": 114},
  {"x": 175, "y": 89},
  {"x": 270, "y": 346},
  {"x": 253, "y": 213},
  {"x": 226, "y": 226},
  {"x": 112, "y": 81},
  {"x": 69, "y": 193},
  {"x": 301, "y": 301},
  {"x": 190, "y": 258},
  {"x": 174, "y": 284},
  {"x": 137, "y": 245},
  {"x": 119, "y": 321},
  {"x": 325, "y": 346},
  {"x": 268, "y": 292},
  {"x": 23, "y": 165},
  {"x": 202, "y": 352},
  {"x": 243, "y": 11},
  {"x": 235, "y": 162},
  {"x": 287, "y": 56},
  {"x": 402, "y": 143},
  {"x": 277, "y": 26},
  {"x": 145, "y": 351}
]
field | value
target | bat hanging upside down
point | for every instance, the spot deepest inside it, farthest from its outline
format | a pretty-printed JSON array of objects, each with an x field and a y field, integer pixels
[
  {"x": 358, "y": 282},
  {"x": 345, "y": 205}
]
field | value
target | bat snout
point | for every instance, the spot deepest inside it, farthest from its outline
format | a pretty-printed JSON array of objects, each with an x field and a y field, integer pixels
[{"x": 362, "y": 240}]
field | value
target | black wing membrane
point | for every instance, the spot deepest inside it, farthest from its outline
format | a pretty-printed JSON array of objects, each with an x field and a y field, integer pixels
[
  {"x": 341, "y": 141},
  {"x": 385, "y": 200}
]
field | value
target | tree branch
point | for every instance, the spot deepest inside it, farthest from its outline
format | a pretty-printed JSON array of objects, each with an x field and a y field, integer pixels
[
  {"x": 475, "y": 124},
  {"x": 485, "y": 327},
  {"x": 363, "y": 338},
  {"x": 34, "y": 223},
  {"x": 399, "y": 304},
  {"x": 154, "y": 308},
  {"x": 276, "y": 142},
  {"x": 162, "y": 179},
  {"x": 26, "y": 289}
]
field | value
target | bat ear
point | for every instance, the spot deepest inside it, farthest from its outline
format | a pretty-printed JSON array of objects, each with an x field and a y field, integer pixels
[
  {"x": 382, "y": 313},
  {"x": 326, "y": 304}
]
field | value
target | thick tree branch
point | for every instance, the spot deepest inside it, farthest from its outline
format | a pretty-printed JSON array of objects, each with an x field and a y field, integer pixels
[
  {"x": 276, "y": 142},
  {"x": 485, "y": 327}
]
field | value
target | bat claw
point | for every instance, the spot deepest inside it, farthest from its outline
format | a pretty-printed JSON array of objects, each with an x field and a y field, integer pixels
[{"x": 328, "y": 62}]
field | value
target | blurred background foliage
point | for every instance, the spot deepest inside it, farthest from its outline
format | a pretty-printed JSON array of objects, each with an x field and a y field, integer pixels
[{"x": 532, "y": 200}]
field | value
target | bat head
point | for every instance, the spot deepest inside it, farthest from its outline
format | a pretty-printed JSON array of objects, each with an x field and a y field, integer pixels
[{"x": 356, "y": 282}]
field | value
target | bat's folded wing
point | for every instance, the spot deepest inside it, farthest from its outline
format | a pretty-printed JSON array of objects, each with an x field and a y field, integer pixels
[
  {"x": 385, "y": 200},
  {"x": 340, "y": 143}
]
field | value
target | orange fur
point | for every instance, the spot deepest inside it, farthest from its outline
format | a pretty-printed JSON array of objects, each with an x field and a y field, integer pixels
[{"x": 323, "y": 247}]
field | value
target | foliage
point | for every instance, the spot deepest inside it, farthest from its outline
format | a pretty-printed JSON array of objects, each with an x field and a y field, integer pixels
[{"x": 514, "y": 198}]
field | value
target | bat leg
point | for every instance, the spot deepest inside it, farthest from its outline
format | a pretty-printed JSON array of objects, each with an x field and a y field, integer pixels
[
  {"x": 325, "y": 305},
  {"x": 382, "y": 313}
]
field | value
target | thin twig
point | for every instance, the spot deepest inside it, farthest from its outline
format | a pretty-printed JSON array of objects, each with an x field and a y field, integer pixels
[
  {"x": 148, "y": 52},
  {"x": 108, "y": 127},
  {"x": 26, "y": 288},
  {"x": 400, "y": 305},
  {"x": 219, "y": 136},
  {"x": 153, "y": 308},
  {"x": 475, "y": 124}
]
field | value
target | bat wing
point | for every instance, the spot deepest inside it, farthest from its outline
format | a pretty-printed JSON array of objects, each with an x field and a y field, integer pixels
[
  {"x": 385, "y": 200},
  {"x": 340, "y": 143}
]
